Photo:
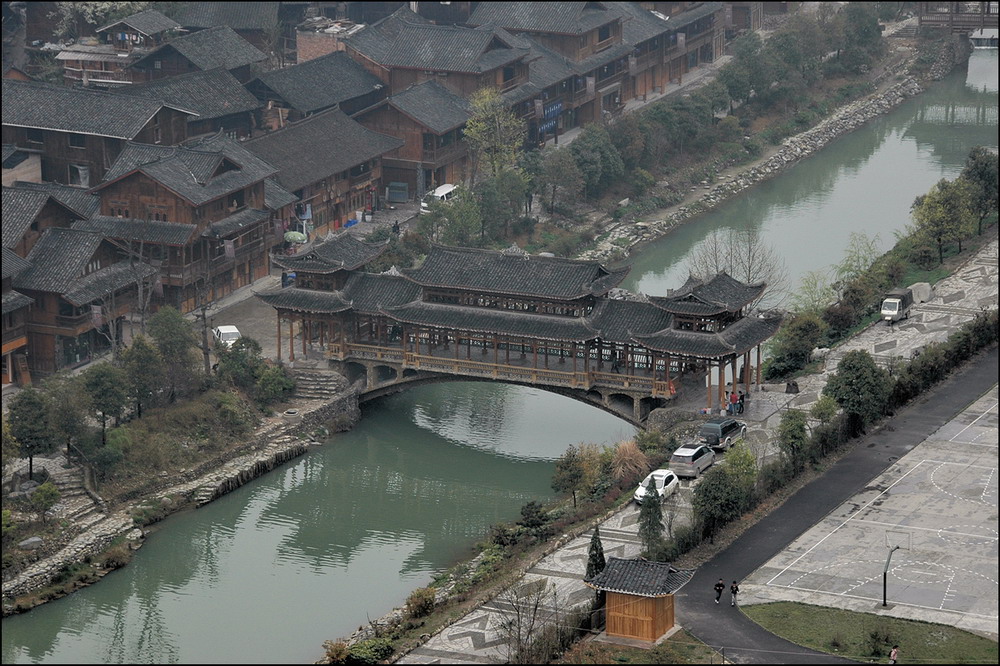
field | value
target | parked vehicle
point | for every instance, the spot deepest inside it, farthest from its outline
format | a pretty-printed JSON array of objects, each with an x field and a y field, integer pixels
[
  {"x": 441, "y": 193},
  {"x": 691, "y": 460},
  {"x": 666, "y": 483},
  {"x": 226, "y": 335},
  {"x": 721, "y": 432},
  {"x": 897, "y": 302}
]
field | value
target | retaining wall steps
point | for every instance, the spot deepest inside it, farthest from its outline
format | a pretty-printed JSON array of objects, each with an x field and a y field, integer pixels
[{"x": 317, "y": 384}]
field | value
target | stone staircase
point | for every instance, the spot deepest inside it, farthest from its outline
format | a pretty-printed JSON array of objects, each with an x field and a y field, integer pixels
[
  {"x": 318, "y": 384},
  {"x": 74, "y": 504}
]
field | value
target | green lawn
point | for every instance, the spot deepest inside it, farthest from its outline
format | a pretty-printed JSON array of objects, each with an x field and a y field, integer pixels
[{"x": 864, "y": 637}]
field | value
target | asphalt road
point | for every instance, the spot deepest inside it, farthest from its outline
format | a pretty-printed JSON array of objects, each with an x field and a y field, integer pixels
[{"x": 729, "y": 630}]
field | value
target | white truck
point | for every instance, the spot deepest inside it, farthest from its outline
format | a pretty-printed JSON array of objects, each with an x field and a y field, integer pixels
[{"x": 897, "y": 302}]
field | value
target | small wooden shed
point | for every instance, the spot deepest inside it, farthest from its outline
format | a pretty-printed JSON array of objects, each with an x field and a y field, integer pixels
[{"x": 640, "y": 596}]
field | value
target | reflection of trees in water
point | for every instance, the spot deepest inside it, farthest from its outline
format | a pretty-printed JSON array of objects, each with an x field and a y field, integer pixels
[{"x": 397, "y": 486}]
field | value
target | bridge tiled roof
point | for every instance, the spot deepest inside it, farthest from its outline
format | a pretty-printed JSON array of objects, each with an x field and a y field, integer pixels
[
  {"x": 501, "y": 322},
  {"x": 340, "y": 252},
  {"x": 739, "y": 337},
  {"x": 713, "y": 297},
  {"x": 620, "y": 320},
  {"x": 370, "y": 293},
  {"x": 514, "y": 273}
]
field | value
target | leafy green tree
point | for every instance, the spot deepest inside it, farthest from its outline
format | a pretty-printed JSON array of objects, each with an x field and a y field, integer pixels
[
  {"x": 651, "y": 520},
  {"x": 28, "y": 417},
  {"x": 944, "y": 215},
  {"x": 273, "y": 385},
  {"x": 791, "y": 348},
  {"x": 11, "y": 449},
  {"x": 860, "y": 387},
  {"x": 462, "y": 222},
  {"x": 501, "y": 198},
  {"x": 629, "y": 140},
  {"x": 7, "y": 524},
  {"x": 824, "y": 409},
  {"x": 241, "y": 363},
  {"x": 862, "y": 37},
  {"x": 595, "y": 555},
  {"x": 68, "y": 407},
  {"x": 741, "y": 467},
  {"x": 568, "y": 473},
  {"x": 735, "y": 76},
  {"x": 561, "y": 177},
  {"x": 717, "y": 501},
  {"x": 145, "y": 370},
  {"x": 106, "y": 388},
  {"x": 176, "y": 339},
  {"x": 529, "y": 163},
  {"x": 76, "y": 19},
  {"x": 793, "y": 439},
  {"x": 597, "y": 158},
  {"x": 981, "y": 173},
  {"x": 814, "y": 295},
  {"x": 493, "y": 133},
  {"x": 44, "y": 498}
]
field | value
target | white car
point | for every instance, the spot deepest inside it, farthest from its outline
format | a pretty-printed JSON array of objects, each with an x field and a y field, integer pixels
[
  {"x": 666, "y": 483},
  {"x": 226, "y": 335},
  {"x": 442, "y": 193}
]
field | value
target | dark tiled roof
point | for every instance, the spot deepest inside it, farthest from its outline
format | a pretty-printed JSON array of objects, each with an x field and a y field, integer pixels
[
  {"x": 640, "y": 578},
  {"x": 640, "y": 25},
  {"x": 570, "y": 18},
  {"x": 230, "y": 225},
  {"x": 149, "y": 231},
  {"x": 58, "y": 259},
  {"x": 514, "y": 273},
  {"x": 13, "y": 264},
  {"x": 720, "y": 294},
  {"x": 107, "y": 281},
  {"x": 20, "y": 208},
  {"x": 318, "y": 147},
  {"x": 432, "y": 105},
  {"x": 15, "y": 300},
  {"x": 236, "y": 15},
  {"x": 305, "y": 300},
  {"x": 739, "y": 337},
  {"x": 210, "y": 94},
  {"x": 340, "y": 252},
  {"x": 690, "y": 16},
  {"x": 80, "y": 201},
  {"x": 61, "y": 108},
  {"x": 209, "y": 49},
  {"x": 620, "y": 320},
  {"x": 8, "y": 150},
  {"x": 189, "y": 170},
  {"x": 437, "y": 47},
  {"x": 370, "y": 293},
  {"x": 502, "y": 322},
  {"x": 320, "y": 83},
  {"x": 149, "y": 22},
  {"x": 275, "y": 196}
]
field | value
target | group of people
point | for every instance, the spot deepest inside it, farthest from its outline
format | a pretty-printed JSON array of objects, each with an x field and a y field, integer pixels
[
  {"x": 720, "y": 587},
  {"x": 736, "y": 403}
]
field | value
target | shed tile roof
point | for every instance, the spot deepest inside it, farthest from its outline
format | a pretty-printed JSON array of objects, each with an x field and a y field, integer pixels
[
  {"x": 320, "y": 83},
  {"x": 80, "y": 201},
  {"x": 402, "y": 43},
  {"x": 640, "y": 578},
  {"x": 61, "y": 108},
  {"x": 107, "y": 281},
  {"x": 15, "y": 300},
  {"x": 149, "y": 22},
  {"x": 569, "y": 18},
  {"x": 514, "y": 273},
  {"x": 13, "y": 264},
  {"x": 131, "y": 229},
  {"x": 209, "y": 49},
  {"x": 318, "y": 147},
  {"x": 211, "y": 94},
  {"x": 275, "y": 196},
  {"x": 239, "y": 220},
  {"x": 340, "y": 252},
  {"x": 722, "y": 293},
  {"x": 58, "y": 259},
  {"x": 433, "y": 105},
  {"x": 190, "y": 170},
  {"x": 236, "y": 15},
  {"x": 20, "y": 208}
]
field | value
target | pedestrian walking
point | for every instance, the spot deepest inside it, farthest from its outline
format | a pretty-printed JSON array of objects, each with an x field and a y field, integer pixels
[
  {"x": 720, "y": 587},
  {"x": 894, "y": 654},
  {"x": 742, "y": 399},
  {"x": 734, "y": 589},
  {"x": 733, "y": 403}
]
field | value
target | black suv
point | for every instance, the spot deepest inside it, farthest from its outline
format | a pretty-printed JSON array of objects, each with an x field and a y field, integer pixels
[{"x": 721, "y": 432}]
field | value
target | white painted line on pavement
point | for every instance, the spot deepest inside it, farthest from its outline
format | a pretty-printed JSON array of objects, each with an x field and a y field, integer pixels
[{"x": 986, "y": 413}]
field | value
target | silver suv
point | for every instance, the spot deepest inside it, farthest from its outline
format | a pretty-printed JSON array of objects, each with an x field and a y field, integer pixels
[
  {"x": 721, "y": 432},
  {"x": 691, "y": 460}
]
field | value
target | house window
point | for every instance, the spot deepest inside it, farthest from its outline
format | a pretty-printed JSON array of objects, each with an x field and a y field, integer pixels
[
  {"x": 157, "y": 135},
  {"x": 157, "y": 64},
  {"x": 77, "y": 140},
  {"x": 508, "y": 74},
  {"x": 35, "y": 136},
  {"x": 604, "y": 33},
  {"x": 79, "y": 175}
]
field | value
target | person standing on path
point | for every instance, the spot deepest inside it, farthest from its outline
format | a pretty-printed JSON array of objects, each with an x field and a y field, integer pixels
[
  {"x": 719, "y": 588},
  {"x": 742, "y": 398},
  {"x": 894, "y": 654},
  {"x": 734, "y": 589}
]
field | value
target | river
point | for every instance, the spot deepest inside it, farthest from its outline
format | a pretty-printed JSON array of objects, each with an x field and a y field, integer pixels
[{"x": 308, "y": 552}]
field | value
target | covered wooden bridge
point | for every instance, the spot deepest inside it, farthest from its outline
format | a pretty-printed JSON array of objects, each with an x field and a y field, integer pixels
[{"x": 558, "y": 324}]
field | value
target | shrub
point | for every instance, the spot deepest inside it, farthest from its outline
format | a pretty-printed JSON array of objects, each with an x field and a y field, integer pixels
[
  {"x": 773, "y": 476},
  {"x": 336, "y": 651},
  {"x": 273, "y": 385},
  {"x": 116, "y": 556},
  {"x": 371, "y": 651},
  {"x": 420, "y": 603},
  {"x": 106, "y": 459},
  {"x": 532, "y": 515}
]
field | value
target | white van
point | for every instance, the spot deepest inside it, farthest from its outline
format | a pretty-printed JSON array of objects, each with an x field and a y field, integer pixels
[
  {"x": 226, "y": 335},
  {"x": 441, "y": 193}
]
